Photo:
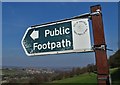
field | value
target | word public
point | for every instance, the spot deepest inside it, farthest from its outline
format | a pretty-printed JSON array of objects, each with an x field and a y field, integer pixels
[{"x": 63, "y": 43}]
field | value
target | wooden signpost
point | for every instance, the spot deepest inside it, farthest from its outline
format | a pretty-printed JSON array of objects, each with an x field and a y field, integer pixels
[{"x": 100, "y": 47}]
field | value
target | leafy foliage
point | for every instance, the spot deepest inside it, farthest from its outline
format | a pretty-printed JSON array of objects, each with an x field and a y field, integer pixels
[{"x": 114, "y": 60}]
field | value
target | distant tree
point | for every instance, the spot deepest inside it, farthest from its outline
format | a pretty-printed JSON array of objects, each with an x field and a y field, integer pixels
[
  {"x": 78, "y": 70},
  {"x": 114, "y": 60},
  {"x": 83, "y": 70},
  {"x": 39, "y": 79},
  {"x": 73, "y": 72},
  {"x": 91, "y": 68}
]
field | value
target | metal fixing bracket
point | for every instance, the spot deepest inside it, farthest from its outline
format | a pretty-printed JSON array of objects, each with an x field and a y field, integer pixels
[
  {"x": 95, "y": 13},
  {"x": 99, "y": 47}
]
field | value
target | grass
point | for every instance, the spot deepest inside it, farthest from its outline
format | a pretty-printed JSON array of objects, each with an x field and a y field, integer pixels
[
  {"x": 83, "y": 78},
  {"x": 92, "y": 78},
  {"x": 115, "y": 76}
]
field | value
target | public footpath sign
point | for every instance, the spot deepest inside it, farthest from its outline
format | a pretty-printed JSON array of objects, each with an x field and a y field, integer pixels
[
  {"x": 71, "y": 35},
  {"x": 57, "y": 37}
]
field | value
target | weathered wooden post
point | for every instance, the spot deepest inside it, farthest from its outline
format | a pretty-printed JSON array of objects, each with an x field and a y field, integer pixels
[{"x": 100, "y": 47}]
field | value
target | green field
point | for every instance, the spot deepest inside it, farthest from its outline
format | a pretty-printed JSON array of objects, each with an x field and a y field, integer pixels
[
  {"x": 115, "y": 76},
  {"x": 92, "y": 78},
  {"x": 83, "y": 78}
]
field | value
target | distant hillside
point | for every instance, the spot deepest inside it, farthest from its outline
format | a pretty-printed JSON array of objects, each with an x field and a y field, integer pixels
[
  {"x": 114, "y": 60},
  {"x": 90, "y": 78}
]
